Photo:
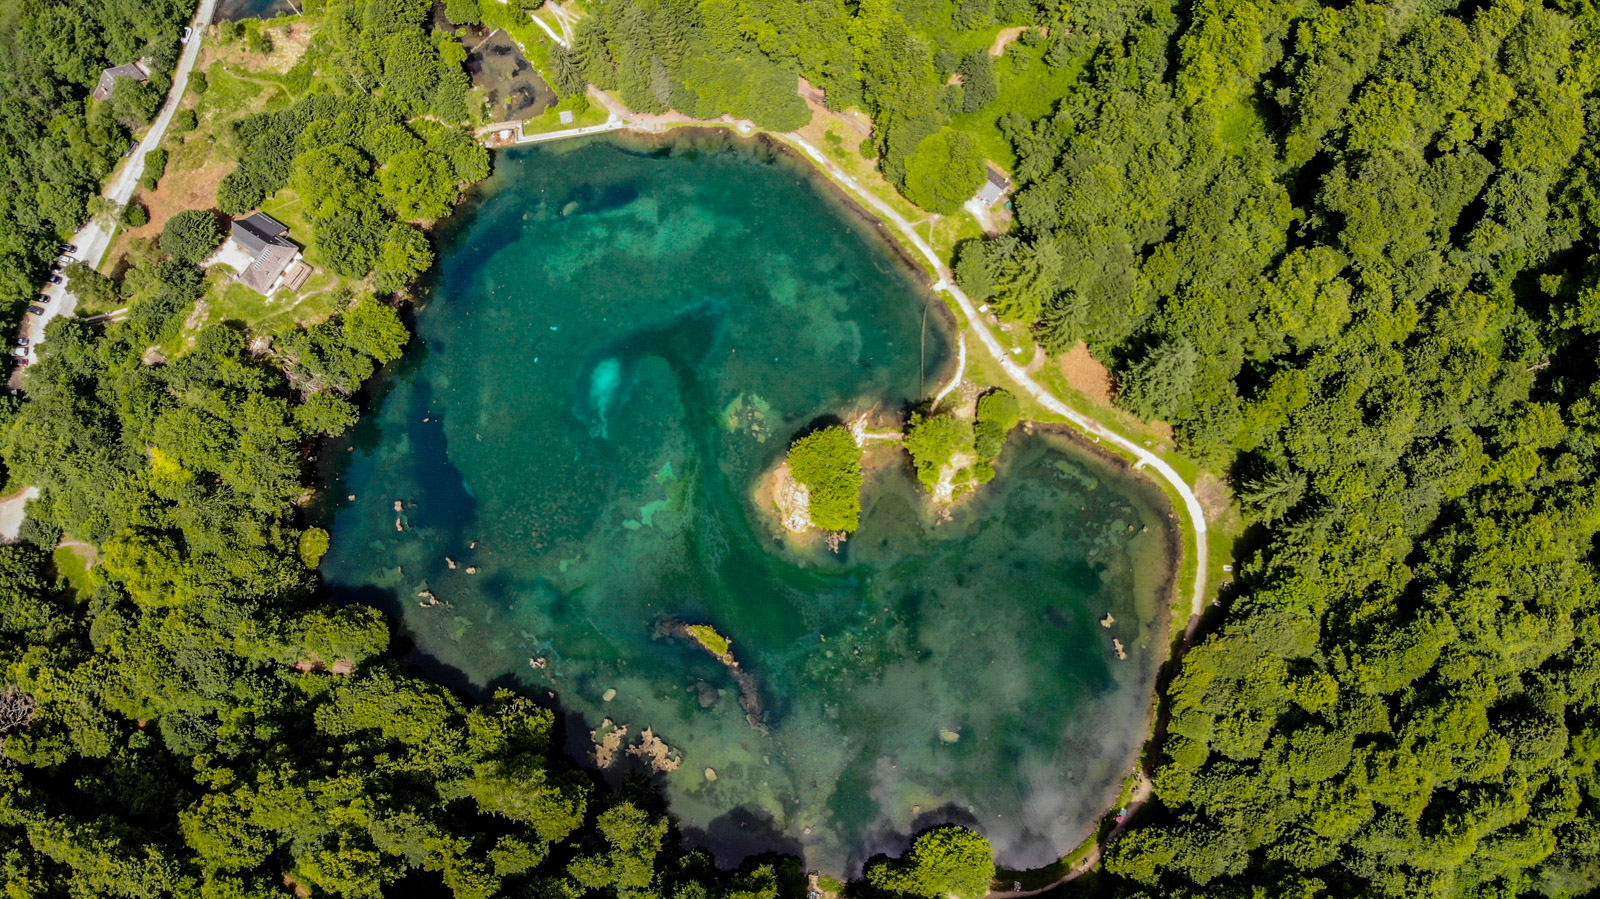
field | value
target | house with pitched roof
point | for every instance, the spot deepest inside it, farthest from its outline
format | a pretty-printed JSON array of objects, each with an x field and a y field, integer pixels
[
  {"x": 995, "y": 185},
  {"x": 108, "y": 78},
  {"x": 275, "y": 260}
]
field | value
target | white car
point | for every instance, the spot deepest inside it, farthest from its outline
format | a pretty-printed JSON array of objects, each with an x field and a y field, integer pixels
[{"x": 188, "y": 32}]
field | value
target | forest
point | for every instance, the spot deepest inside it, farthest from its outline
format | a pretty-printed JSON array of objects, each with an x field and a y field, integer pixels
[{"x": 1347, "y": 250}]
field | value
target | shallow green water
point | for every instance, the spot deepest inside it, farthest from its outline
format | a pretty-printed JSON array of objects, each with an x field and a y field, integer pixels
[{"x": 619, "y": 343}]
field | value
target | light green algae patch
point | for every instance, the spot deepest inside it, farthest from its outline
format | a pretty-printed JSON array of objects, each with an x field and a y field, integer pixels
[{"x": 719, "y": 646}]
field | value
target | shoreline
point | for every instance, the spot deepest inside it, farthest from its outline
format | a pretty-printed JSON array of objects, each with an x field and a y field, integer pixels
[{"x": 1083, "y": 431}]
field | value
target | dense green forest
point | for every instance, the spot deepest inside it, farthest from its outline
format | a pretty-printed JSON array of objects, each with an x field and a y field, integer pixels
[{"x": 1349, "y": 251}]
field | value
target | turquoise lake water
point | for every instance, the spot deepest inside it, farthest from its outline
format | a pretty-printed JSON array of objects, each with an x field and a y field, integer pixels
[
  {"x": 234, "y": 10},
  {"x": 620, "y": 339}
]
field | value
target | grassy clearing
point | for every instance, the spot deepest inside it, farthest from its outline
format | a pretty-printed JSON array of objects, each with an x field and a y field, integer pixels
[
  {"x": 1027, "y": 86},
  {"x": 240, "y": 305},
  {"x": 584, "y": 115},
  {"x": 228, "y": 301},
  {"x": 72, "y": 563}
]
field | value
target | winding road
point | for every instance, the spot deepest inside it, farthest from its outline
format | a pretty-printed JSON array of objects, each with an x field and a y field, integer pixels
[{"x": 95, "y": 239}]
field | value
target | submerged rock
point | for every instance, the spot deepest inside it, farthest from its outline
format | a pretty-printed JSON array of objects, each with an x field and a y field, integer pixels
[{"x": 706, "y": 694}]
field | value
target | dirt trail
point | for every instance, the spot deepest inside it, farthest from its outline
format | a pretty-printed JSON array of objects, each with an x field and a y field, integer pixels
[{"x": 11, "y": 512}]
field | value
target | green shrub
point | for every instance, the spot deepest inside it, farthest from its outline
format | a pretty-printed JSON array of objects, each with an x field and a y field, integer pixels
[
  {"x": 828, "y": 462},
  {"x": 191, "y": 235},
  {"x": 134, "y": 215},
  {"x": 185, "y": 121},
  {"x": 155, "y": 165},
  {"x": 199, "y": 84},
  {"x": 313, "y": 544},
  {"x": 997, "y": 415},
  {"x": 239, "y": 192},
  {"x": 93, "y": 290},
  {"x": 298, "y": 78},
  {"x": 713, "y": 641},
  {"x": 463, "y": 12},
  {"x": 934, "y": 441}
]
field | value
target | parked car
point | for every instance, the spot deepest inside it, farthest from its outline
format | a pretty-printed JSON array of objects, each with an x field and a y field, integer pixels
[
  {"x": 19, "y": 341},
  {"x": 65, "y": 261},
  {"x": 19, "y": 352},
  {"x": 54, "y": 279},
  {"x": 188, "y": 32},
  {"x": 42, "y": 298},
  {"x": 36, "y": 310},
  {"x": 69, "y": 248}
]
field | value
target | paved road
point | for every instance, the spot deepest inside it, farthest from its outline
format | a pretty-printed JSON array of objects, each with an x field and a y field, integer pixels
[
  {"x": 94, "y": 240},
  {"x": 611, "y": 124}
]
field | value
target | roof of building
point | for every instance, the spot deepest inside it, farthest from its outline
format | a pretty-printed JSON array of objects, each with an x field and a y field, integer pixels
[
  {"x": 258, "y": 231},
  {"x": 268, "y": 265},
  {"x": 108, "y": 78},
  {"x": 994, "y": 186}
]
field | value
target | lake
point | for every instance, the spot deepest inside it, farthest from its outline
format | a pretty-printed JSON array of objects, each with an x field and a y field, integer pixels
[
  {"x": 235, "y": 10},
  {"x": 620, "y": 339}
]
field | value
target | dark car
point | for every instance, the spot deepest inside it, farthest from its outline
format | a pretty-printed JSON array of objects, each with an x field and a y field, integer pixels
[
  {"x": 54, "y": 279},
  {"x": 42, "y": 298},
  {"x": 19, "y": 341},
  {"x": 69, "y": 248},
  {"x": 36, "y": 310}
]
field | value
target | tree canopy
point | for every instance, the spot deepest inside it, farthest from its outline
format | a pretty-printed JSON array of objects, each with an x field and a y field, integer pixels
[
  {"x": 828, "y": 462},
  {"x": 191, "y": 235},
  {"x": 946, "y": 861}
]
